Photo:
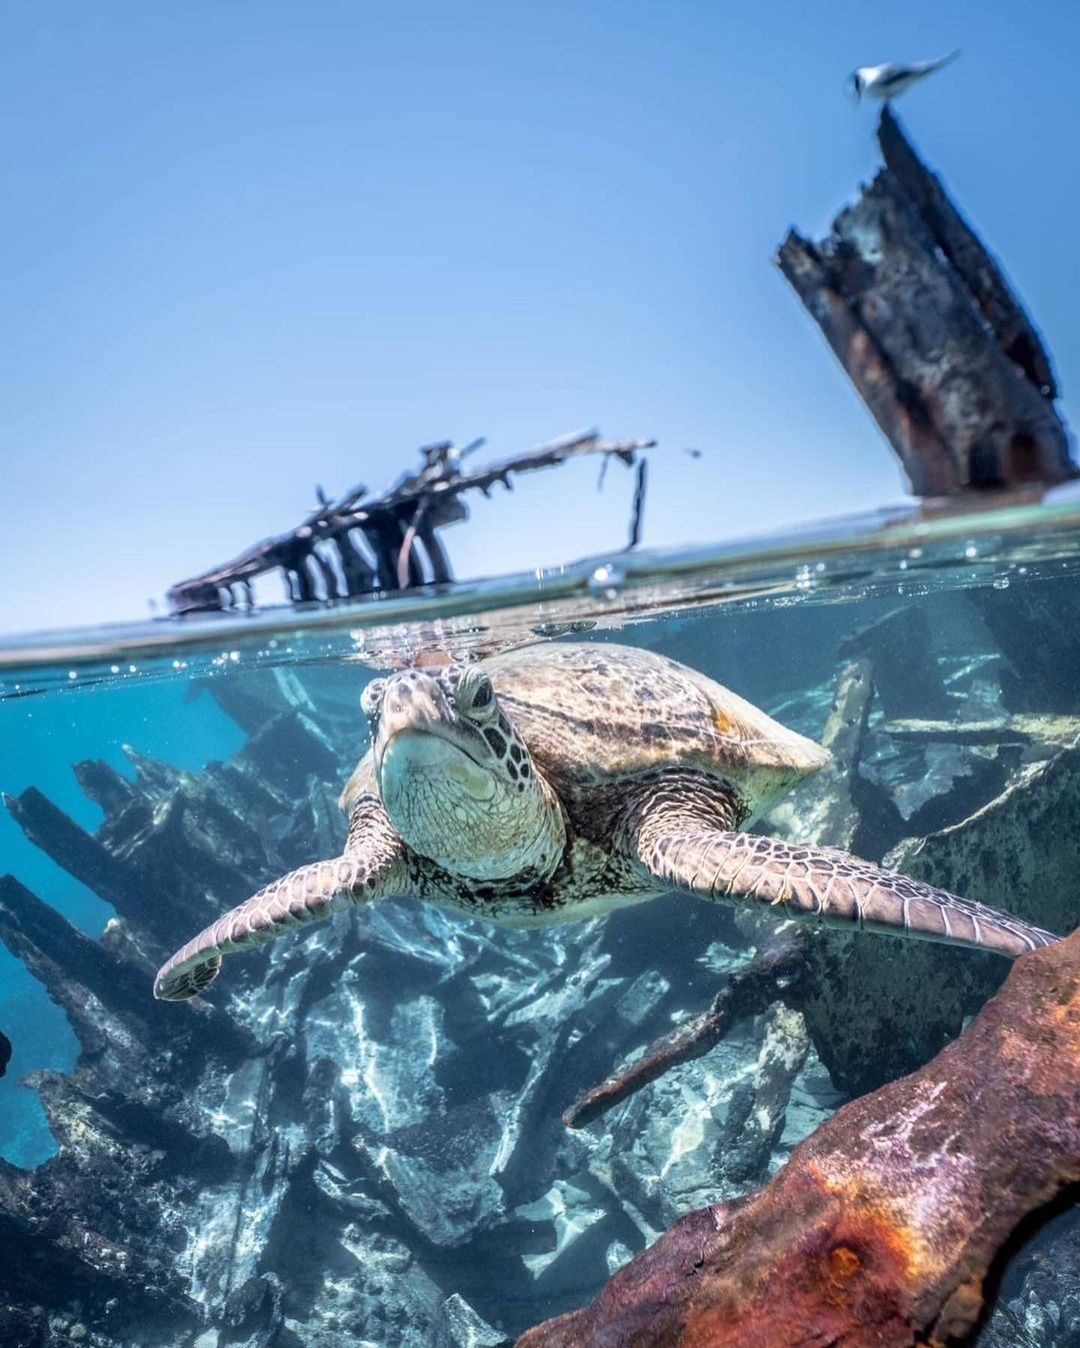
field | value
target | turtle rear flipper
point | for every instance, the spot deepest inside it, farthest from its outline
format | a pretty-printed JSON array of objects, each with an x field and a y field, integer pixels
[
  {"x": 674, "y": 842},
  {"x": 372, "y": 867}
]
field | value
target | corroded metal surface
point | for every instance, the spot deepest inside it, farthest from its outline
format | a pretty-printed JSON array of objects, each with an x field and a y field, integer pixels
[
  {"x": 928, "y": 330},
  {"x": 883, "y": 1225}
]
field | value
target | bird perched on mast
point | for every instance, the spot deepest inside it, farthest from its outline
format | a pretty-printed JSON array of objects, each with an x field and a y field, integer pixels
[{"x": 891, "y": 80}]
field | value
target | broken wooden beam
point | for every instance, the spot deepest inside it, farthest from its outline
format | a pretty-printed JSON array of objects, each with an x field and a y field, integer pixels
[
  {"x": 1052, "y": 730},
  {"x": 928, "y": 330},
  {"x": 360, "y": 544},
  {"x": 770, "y": 977}
]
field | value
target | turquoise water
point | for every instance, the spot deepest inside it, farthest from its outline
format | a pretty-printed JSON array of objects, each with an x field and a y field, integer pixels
[
  {"x": 431, "y": 999},
  {"x": 42, "y": 737}
]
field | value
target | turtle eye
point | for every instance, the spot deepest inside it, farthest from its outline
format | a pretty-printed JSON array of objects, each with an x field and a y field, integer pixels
[
  {"x": 371, "y": 698},
  {"x": 474, "y": 694}
]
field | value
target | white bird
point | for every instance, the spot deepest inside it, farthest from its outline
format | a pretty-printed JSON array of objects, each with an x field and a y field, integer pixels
[{"x": 891, "y": 80}]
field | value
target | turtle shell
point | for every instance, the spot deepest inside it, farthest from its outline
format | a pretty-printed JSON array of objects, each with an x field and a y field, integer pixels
[{"x": 593, "y": 714}]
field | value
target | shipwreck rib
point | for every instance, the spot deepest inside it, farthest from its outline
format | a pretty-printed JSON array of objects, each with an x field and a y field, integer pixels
[{"x": 324, "y": 557}]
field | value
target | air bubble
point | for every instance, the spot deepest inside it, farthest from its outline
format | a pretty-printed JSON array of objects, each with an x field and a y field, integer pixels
[{"x": 605, "y": 582}]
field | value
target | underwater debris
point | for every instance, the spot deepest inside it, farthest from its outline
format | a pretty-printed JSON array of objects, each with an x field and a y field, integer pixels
[
  {"x": 770, "y": 978},
  {"x": 884, "y": 1224},
  {"x": 1024, "y": 842},
  {"x": 5, "y": 1052},
  {"x": 290, "y": 1127},
  {"x": 899, "y": 647},
  {"x": 1043, "y": 733},
  {"x": 1021, "y": 848},
  {"x": 1037, "y": 630},
  {"x": 359, "y": 544},
  {"x": 932, "y": 336},
  {"x": 830, "y": 815}
]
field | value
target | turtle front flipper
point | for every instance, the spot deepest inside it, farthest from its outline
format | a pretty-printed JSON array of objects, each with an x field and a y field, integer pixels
[
  {"x": 677, "y": 846},
  {"x": 372, "y": 867}
]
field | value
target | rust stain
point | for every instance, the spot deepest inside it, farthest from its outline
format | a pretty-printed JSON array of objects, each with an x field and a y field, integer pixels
[
  {"x": 1066, "y": 1011},
  {"x": 863, "y": 1202},
  {"x": 833, "y": 1250},
  {"x": 844, "y": 1263},
  {"x": 850, "y": 1277}
]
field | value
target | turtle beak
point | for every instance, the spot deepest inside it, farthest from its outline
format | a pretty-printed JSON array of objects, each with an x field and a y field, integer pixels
[
  {"x": 414, "y": 699},
  {"x": 415, "y": 709},
  {"x": 411, "y": 700}
]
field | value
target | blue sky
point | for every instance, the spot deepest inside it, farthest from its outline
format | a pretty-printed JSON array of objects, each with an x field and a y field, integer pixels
[{"x": 254, "y": 246}]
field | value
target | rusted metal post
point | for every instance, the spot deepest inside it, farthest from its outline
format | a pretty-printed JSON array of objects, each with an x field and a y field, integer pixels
[{"x": 936, "y": 343}]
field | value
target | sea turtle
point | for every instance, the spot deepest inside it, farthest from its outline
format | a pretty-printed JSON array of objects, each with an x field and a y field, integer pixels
[{"x": 556, "y": 782}]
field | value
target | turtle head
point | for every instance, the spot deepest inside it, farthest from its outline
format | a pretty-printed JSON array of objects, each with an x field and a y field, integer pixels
[{"x": 455, "y": 778}]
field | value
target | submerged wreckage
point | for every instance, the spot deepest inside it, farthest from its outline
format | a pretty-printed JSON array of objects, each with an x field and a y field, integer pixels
[
  {"x": 881, "y": 1230},
  {"x": 219, "y": 1177}
]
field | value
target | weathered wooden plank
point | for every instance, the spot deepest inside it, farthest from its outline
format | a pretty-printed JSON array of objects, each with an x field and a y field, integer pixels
[{"x": 399, "y": 528}]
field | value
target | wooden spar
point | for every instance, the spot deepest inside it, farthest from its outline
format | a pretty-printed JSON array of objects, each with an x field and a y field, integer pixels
[
  {"x": 360, "y": 544},
  {"x": 935, "y": 341}
]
